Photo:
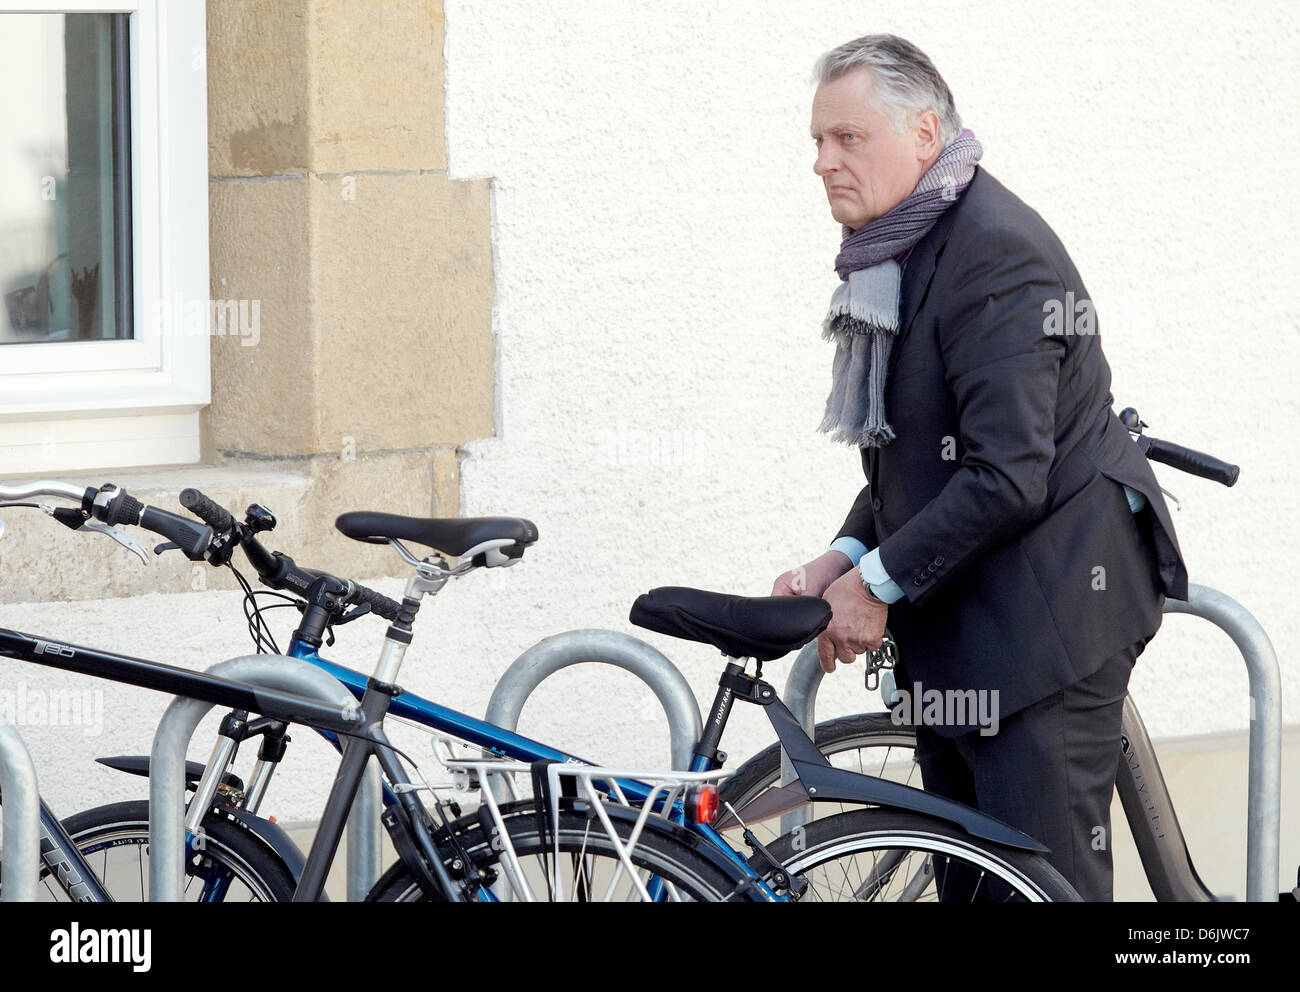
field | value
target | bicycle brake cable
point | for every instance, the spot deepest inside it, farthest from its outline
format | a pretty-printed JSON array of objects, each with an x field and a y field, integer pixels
[{"x": 258, "y": 628}]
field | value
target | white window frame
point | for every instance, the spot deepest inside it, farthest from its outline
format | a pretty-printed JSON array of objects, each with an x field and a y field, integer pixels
[{"x": 104, "y": 404}]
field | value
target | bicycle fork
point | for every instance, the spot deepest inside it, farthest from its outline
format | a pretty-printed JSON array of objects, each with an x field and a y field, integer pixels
[{"x": 235, "y": 728}]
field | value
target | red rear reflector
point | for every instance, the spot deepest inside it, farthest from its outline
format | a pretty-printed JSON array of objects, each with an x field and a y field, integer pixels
[{"x": 702, "y": 803}]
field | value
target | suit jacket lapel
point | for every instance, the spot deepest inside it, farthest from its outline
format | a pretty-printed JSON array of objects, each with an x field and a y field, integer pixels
[
  {"x": 919, "y": 272},
  {"x": 917, "y": 276}
]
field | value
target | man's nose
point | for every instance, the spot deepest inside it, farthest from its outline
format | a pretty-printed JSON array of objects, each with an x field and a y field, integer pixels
[{"x": 826, "y": 162}]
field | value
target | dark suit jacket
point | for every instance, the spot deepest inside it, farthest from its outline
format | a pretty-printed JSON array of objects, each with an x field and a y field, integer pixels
[{"x": 999, "y": 507}]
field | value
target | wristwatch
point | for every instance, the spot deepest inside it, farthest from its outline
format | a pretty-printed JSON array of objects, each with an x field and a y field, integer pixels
[{"x": 870, "y": 592}]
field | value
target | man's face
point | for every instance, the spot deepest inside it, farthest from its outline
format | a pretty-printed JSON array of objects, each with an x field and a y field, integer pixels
[{"x": 866, "y": 167}]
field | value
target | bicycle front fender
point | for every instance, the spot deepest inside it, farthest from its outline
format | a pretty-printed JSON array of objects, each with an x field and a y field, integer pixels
[
  {"x": 273, "y": 836},
  {"x": 138, "y": 764}
]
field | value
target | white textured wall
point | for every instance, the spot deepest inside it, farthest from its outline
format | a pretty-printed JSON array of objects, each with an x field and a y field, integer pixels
[{"x": 663, "y": 260}]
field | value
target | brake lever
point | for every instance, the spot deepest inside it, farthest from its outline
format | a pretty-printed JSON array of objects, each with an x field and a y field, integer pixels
[
  {"x": 126, "y": 540},
  {"x": 360, "y": 610}
]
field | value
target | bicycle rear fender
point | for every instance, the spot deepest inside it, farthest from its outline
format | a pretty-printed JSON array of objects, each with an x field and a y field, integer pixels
[{"x": 825, "y": 783}]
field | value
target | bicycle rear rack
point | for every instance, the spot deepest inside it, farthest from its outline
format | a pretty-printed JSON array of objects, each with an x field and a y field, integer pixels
[
  {"x": 598, "y": 785},
  {"x": 21, "y": 816},
  {"x": 167, "y": 778},
  {"x": 1264, "y": 778}
]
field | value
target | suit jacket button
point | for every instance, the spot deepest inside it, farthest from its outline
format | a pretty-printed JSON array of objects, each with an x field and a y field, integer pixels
[
  {"x": 918, "y": 580},
  {"x": 939, "y": 560},
  {"x": 876, "y": 504}
]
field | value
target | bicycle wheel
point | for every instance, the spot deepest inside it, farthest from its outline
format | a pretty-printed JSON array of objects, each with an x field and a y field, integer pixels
[
  {"x": 880, "y": 855},
  {"x": 588, "y": 867},
  {"x": 867, "y": 743},
  {"x": 115, "y": 842}
]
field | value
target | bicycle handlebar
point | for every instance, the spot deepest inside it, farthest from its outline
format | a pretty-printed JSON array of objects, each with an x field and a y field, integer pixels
[
  {"x": 277, "y": 569},
  {"x": 210, "y": 512},
  {"x": 1189, "y": 461},
  {"x": 379, "y": 603},
  {"x": 46, "y": 487},
  {"x": 1176, "y": 456},
  {"x": 113, "y": 505}
]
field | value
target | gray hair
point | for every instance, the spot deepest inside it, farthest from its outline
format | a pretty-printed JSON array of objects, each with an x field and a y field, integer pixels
[{"x": 906, "y": 81}]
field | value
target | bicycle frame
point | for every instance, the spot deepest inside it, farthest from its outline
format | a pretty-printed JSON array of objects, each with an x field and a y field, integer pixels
[{"x": 505, "y": 743}]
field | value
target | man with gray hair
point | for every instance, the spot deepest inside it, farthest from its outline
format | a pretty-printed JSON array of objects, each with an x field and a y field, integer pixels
[{"x": 1010, "y": 531}]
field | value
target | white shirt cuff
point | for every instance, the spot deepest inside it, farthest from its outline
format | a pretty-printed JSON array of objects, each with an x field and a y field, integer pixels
[{"x": 873, "y": 574}]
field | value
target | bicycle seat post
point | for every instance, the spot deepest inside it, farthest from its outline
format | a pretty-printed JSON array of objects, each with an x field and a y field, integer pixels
[
  {"x": 733, "y": 682},
  {"x": 430, "y": 576}
]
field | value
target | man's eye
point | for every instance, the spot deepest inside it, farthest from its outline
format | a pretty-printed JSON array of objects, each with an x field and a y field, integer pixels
[{"x": 848, "y": 138}]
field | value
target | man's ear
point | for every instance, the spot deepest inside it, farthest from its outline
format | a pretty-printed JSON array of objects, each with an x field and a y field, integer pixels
[{"x": 928, "y": 144}]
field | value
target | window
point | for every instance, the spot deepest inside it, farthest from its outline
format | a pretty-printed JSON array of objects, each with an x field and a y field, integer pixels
[
  {"x": 65, "y": 252},
  {"x": 103, "y": 233}
]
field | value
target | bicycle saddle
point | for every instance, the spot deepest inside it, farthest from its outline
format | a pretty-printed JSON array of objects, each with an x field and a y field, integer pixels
[
  {"x": 763, "y": 627},
  {"x": 449, "y": 536}
]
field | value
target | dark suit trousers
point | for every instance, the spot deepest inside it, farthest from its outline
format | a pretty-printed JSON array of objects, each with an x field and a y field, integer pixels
[{"x": 1049, "y": 771}]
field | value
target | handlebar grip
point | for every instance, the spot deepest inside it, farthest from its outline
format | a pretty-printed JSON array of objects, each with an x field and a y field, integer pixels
[
  {"x": 380, "y": 604},
  {"x": 213, "y": 514},
  {"x": 1192, "y": 462},
  {"x": 193, "y": 539}
]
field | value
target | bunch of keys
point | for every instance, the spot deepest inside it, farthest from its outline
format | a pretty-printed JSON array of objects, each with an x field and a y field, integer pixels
[{"x": 882, "y": 659}]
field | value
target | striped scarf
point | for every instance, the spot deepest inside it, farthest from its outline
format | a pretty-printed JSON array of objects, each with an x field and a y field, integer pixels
[{"x": 864, "y": 313}]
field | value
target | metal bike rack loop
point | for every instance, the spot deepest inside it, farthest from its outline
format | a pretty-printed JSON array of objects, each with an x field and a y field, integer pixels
[
  {"x": 21, "y": 811},
  {"x": 1264, "y": 777},
  {"x": 609, "y": 647},
  {"x": 1264, "y": 771},
  {"x": 167, "y": 775}
]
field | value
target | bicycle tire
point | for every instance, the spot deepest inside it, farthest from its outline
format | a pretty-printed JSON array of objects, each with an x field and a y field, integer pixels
[
  {"x": 985, "y": 872},
  {"x": 878, "y": 746},
  {"x": 663, "y": 850},
  {"x": 122, "y": 831}
]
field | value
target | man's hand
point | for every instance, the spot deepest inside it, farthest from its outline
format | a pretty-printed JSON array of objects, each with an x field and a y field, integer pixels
[
  {"x": 857, "y": 622},
  {"x": 814, "y": 578}
]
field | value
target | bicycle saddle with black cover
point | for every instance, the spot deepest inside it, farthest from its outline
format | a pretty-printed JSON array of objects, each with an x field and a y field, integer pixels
[
  {"x": 450, "y": 536},
  {"x": 760, "y": 627}
]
